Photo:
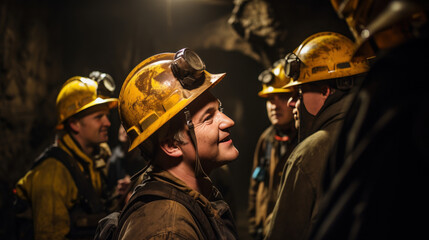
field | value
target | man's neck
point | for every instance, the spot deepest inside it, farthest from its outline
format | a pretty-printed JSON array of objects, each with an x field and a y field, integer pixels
[
  {"x": 288, "y": 129},
  {"x": 184, "y": 172},
  {"x": 87, "y": 149},
  {"x": 201, "y": 184}
]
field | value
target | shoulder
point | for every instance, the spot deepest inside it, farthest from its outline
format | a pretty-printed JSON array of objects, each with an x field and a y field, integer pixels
[
  {"x": 52, "y": 167},
  {"x": 313, "y": 151},
  {"x": 267, "y": 135},
  {"x": 268, "y": 132},
  {"x": 48, "y": 180},
  {"x": 50, "y": 174},
  {"x": 311, "y": 146},
  {"x": 160, "y": 218}
]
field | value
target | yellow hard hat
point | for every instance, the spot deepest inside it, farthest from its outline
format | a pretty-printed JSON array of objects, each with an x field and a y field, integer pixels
[
  {"x": 388, "y": 22},
  {"x": 323, "y": 56},
  {"x": 160, "y": 87},
  {"x": 80, "y": 93},
  {"x": 274, "y": 79}
]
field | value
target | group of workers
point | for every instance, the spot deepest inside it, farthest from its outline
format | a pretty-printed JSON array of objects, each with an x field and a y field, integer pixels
[{"x": 344, "y": 158}]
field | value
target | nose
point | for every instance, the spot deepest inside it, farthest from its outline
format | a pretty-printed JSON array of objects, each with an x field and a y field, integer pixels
[
  {"x": 275, "y": 102},
  {"x": 225, "y": 122},
  {"x": 106, "y": 121},
  {"x": 291, "y": 102}
]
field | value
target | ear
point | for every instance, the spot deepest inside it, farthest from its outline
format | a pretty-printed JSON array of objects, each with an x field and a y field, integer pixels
[
  {"x": 326, "y": 91},
  {"x": 74, "y": 125},
  {"x": 171, "y": 149}
]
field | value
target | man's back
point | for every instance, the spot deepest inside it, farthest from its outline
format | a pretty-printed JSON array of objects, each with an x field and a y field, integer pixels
[{"x": 379, "y": 168}]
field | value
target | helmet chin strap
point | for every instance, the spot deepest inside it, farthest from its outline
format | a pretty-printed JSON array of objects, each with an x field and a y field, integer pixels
[{"x": 199, "y": 171}]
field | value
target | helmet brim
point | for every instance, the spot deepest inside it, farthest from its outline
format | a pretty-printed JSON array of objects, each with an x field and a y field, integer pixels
[
  {"x": 111, "y": 103},
  {"x": 267, "y": 91}
]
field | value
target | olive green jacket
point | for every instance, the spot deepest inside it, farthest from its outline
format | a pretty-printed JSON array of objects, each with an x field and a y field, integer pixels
[{"x": 297, "y": 205}]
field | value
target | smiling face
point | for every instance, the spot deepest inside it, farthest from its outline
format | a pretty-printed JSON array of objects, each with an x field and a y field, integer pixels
[
  {"x": 215, "y": 146},
  {"x": 278, "y": 112},
  {"x": 92, "y": 129}
]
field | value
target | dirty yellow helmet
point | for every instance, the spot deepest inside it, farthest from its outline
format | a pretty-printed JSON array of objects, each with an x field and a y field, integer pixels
[
  {"x": 274, "y": 79},
  {"x": 80, "y": 93},
  {"x": 160, "y": 87},
  {"x": 387, "y": 22},
  {"x": 355, "y": 13},
  {"x": 323, "y": 56}
]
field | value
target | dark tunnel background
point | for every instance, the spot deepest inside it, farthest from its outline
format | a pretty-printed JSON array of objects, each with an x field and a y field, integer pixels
[{"x": 43, "y": 43}]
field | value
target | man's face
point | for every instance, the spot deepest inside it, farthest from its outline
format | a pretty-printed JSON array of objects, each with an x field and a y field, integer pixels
[
  {"x": 93, "y": 128},
  {"x": 312, "y": 98},
  {"x": 279, "y": 113},
  {"x": 215, "y": 146}
]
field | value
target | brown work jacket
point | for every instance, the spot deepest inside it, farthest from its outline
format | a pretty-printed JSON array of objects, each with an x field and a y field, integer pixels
[
  {"x": 168, "y": 219},
  {"x": 263, "y": 194}
]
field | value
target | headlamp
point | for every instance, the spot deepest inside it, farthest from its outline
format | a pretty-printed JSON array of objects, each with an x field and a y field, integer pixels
[
  {"x": 292, "y": 65},
  {"x": 188, "y": 68},
  {"x": 106, "y": 84},
  {"x": 266, "y": 77}
]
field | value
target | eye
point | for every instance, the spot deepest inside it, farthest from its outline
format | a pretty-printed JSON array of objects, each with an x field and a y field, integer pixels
[{"x": 208, "y": 117}]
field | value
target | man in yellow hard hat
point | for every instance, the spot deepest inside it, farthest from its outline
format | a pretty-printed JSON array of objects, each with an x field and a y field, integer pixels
[
  {"x": 323, "y": 74},
  {"x": 273, "y": 148},
  {"x": 169, "y": 113},
  {"x": 376, "y": 179},
  {"x": 65, "y": 188}
]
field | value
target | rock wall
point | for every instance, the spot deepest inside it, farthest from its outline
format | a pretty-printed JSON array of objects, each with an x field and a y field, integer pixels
[{"x": 29, "y": 71}]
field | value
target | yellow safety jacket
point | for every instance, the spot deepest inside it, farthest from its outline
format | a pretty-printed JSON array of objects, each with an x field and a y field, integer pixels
[{"x": 52, "y": 193}]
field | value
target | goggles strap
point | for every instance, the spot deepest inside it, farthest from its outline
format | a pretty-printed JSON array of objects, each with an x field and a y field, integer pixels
[{"x": 199, "y": 172}]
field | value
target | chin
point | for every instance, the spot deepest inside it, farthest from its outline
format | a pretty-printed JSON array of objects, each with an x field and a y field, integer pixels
[
  {"x": 232, "y": 156},
  {"x": 226, "y": 158},
  {"x": 220, "y": 163}
]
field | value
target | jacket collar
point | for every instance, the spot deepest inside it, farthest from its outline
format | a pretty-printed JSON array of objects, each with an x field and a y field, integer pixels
[
  {"x": 159, "y": 174},
  {"x": 334, "y": 112},
  {"x": 70, "y": 145}
]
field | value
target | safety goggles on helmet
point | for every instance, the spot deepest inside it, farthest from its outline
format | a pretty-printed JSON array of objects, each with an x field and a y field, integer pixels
[
  {"x": 106, "y": 85},
  {"x": 292, "y": 66},
  {"x": 273, "y": 79},
  {"x": 266, "y": 77},
  {"x": 188, "y": 68}
]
